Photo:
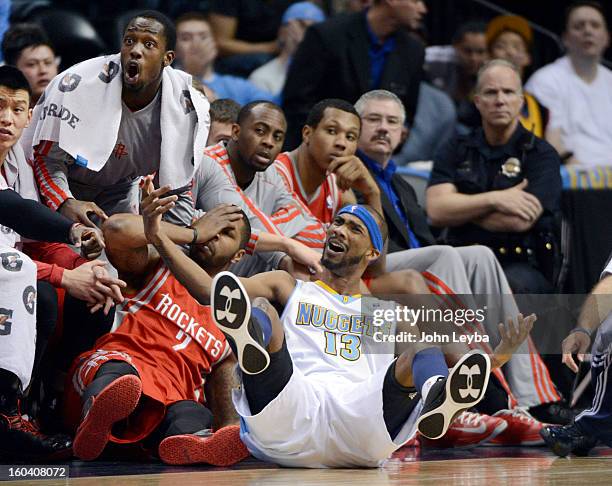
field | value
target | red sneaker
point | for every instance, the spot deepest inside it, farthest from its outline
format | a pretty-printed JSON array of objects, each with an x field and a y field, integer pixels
[
  {"x": 523, "y": 429},
  {"x": 113, "y": 403},
  {"x": 468, "y": 430},
  {"x": 223, "y": 448}
]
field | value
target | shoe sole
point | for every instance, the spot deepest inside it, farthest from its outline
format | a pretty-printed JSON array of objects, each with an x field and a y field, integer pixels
[
  {"x": 223, "y": 448},
  {"x": 233, "y": 320},
  {"x": 459, "y": 394},
  {"x": 113, "y": 403}
]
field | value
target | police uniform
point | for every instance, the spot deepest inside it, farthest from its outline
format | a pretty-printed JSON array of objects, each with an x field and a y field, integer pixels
[{"x": 475, "y": 167}]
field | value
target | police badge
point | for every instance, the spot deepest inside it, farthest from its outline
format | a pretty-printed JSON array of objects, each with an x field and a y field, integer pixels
[{"x": 512, "y": 167}]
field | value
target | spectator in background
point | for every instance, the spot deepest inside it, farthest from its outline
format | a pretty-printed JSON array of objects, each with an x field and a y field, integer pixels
[
  {"x": 223, "y": 114},
  {"x": 246, "y": 32},
  {"x": 510, "y": 37},
  {"x": 352, "y": 53},
  {"x": 578, "y": 90},
  {"x": 27, "y": 47},
  {"x": 5, "y": 14},
  {"x": 296, "y": 19},
  {"x": 196, "y": 51},
  {"x": 454, "y": 71},
  {"x": 434, "y": 124},
  {"x": 500, "y": 185}
]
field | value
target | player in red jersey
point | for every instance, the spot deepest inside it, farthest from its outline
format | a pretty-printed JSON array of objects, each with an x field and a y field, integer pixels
[{"x": 144, "y": 380}]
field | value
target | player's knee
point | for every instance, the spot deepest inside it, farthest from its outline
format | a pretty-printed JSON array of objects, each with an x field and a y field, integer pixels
[
  {"x": 447, "y": 252},
  {"x": 480, "y": 253},
  {"x": 265, "y": 305}
]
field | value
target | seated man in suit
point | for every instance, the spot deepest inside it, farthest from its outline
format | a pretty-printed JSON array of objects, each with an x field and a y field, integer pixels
[
  {"x": 349, "y": 54},
  {"x": 448, "y": 270}
]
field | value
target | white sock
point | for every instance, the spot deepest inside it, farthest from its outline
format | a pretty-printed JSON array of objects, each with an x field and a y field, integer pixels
[{"x": 428, "y": 384}]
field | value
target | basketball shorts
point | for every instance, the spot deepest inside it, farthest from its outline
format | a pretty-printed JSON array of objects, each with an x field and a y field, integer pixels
[{"x": 323, "y": 424}]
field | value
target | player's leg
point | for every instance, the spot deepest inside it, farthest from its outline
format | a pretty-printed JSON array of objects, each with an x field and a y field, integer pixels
[
  {"x": 253, "y": 335},
  {"x": 256, "y": 335},
  {"x": 112, "y": 395},
  {"x": 271, "y": 403},
  {"x": 187, "y": 437}
]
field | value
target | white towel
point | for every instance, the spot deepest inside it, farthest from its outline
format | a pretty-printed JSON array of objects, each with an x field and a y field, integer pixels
[
  {"x": 19, "y": 174},
  {"x": 81, "y": 110}
]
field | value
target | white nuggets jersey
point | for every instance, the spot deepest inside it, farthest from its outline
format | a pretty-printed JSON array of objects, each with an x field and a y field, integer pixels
[{"x": 330, "y": 337}]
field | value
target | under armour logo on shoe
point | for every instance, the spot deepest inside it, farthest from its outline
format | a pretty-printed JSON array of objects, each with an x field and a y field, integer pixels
[
  {"x": 230, "y": 295},
  {"x": 470, "y": 373}
]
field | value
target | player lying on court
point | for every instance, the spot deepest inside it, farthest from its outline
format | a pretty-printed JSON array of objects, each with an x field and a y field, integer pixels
[
  {"x": 315, "y": 390},
  {"x": 142, "y": 383}
]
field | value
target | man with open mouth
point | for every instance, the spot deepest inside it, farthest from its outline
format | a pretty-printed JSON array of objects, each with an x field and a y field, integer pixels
[
  {"x": 162, "y": 128},
  {"x": 69, "y": 185}
]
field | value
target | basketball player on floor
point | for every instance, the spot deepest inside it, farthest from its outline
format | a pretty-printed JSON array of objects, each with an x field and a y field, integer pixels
[
  {"x": 143, "y": 382},
  {"x": 314, "y": 393}
]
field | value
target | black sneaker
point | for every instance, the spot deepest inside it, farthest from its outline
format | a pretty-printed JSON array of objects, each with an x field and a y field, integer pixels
[
  {"x": 20, "y": 438},
  {"x": 557, "y": 413},
  {"x": 448, "y": 397},
  {"x": 567, "y": 439},
  {"x": 231, "y": 311}
]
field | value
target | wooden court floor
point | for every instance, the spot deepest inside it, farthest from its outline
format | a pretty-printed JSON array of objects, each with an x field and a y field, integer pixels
[{"x": 481, "y": 466}]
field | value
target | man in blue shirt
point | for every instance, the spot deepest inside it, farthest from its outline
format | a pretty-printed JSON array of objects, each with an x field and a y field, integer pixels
[
  {"x": 463, "y": 271},
  {"x": 349, "y": 54},
  {"x": 196, "y": 52}
]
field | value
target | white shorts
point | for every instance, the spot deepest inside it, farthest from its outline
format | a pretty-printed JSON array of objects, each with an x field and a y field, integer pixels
[{"x": 315, "y": 424}]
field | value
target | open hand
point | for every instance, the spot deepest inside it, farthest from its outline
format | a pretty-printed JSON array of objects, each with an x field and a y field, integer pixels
[
  {"x": 512, "y": 336},
  {"x": 152, "y": 206},
  {"x": 216, "y": 221}
]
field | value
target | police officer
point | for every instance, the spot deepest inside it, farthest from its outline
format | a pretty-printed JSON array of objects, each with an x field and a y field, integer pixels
[{"x": 500, "y": 185}]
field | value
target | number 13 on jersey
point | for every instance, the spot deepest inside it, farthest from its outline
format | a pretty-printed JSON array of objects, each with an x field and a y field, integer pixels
[{"x": 349, "y": 345}]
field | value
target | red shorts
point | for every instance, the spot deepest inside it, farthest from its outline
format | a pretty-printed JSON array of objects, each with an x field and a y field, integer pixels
[{"x": 147, "y": 416}]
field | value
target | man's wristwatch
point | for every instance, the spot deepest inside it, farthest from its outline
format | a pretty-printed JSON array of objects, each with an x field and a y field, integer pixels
[{"x": 195, "y": 235}]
